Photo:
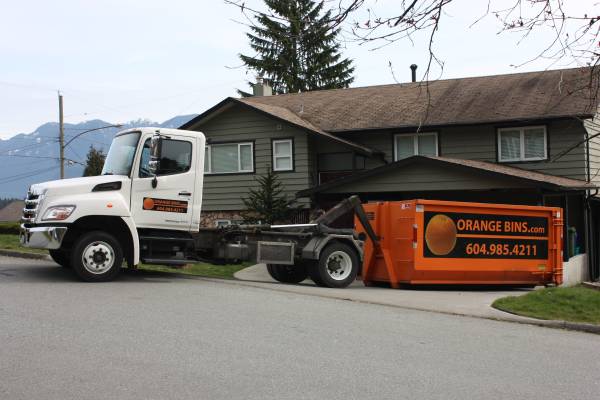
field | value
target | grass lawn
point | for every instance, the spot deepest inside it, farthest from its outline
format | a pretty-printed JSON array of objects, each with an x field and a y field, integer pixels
[
  {"x": 200, "y": 269},
  {"x": 575, "y": 304},
  {"x": 11, "y": 242}
]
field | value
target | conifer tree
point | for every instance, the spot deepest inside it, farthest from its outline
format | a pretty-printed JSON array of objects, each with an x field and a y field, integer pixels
[
  {"x": 267, "y": 203},
  {"x": 94, "y": 163},
  {"x": 296, "y": 48}
]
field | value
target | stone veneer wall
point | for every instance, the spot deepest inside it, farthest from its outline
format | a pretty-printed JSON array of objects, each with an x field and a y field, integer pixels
[{"x": 208, "y": 219}]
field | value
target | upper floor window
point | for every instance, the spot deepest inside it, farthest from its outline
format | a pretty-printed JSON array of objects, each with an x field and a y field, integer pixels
[
  {"x": 347, "y": 161},
  {"x": 522, "y": 144},
  {"x": 417, "y": 144},
  {"x": 229, "y": 158},
  {"x": 175, "y": 158},
  {"x": 283, "y": 158}
]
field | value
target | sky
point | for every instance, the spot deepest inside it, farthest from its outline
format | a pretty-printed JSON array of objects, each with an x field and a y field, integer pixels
[{"x": 120, "y": 60}]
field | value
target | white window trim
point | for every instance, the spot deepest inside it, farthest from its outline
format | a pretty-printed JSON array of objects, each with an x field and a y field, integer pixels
[
  {"x": 522, "y": 157},
  {"x": 415, "y": 137},
  {"x": 275, "y": 156},
  {"x": 240, "y": 170}
]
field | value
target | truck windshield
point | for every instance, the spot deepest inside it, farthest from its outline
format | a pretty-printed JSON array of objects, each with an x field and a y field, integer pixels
[{"x": 120, "y": 155}]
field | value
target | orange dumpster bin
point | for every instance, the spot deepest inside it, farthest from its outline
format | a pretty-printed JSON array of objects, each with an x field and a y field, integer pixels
[{"x": 445, "y": 242}]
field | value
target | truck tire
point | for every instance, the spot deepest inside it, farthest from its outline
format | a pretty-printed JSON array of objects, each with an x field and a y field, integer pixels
[
  {"x": 337, "y": 267},
  {"x": 97, "y": 257},
  {"x": 287, "y": 273},
  {"x": 313, "y": 273},
  {"x": 61, "y": 257}
]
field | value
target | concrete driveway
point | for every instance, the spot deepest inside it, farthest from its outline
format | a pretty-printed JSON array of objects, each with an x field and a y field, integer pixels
[{"x": 462, "y": 300}]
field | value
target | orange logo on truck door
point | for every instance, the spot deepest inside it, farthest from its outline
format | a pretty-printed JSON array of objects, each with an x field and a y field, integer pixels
[
  {"x": 165, "y": 205},
  {"x": 440, "y": 235}
]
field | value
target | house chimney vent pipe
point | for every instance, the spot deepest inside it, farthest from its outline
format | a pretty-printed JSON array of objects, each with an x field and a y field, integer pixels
[
  {"x": 262, "y": 87},
  {"x": 413, "y": 69}
]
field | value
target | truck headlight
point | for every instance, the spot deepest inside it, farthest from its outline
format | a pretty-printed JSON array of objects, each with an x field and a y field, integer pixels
[{"x": 58, "y": 213}]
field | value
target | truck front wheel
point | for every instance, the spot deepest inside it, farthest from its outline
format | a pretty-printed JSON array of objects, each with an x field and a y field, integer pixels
[
  {"x": 337, "y": 267},
  {"x": 97, "y": 257},
  {"x": 287, "y": 273},
  {"x": 61, "y": 257}
]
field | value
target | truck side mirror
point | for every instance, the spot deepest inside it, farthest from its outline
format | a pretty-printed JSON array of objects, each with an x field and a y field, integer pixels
[{"x": 155, "y": 152}]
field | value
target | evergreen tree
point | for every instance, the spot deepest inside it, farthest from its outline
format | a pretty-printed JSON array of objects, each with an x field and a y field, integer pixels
[
  {"x": 94, "y": 163},
  {"x": 267, "y": 204},
  {"x": 296, "y": 49}
]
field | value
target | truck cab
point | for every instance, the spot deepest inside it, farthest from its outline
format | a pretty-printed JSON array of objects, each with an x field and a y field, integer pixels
[{"x": 151, "y": 183}]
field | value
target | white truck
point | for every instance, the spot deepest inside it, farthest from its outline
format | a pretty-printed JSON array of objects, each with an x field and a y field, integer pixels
[{"x": 146, "y": 206}]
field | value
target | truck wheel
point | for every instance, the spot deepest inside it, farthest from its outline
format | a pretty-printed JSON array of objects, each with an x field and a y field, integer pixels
[
  {"x": 338, "y": 266},
  {"x": 97, "y": 257},
  {"x": 61, "y": 257},
  {"x": 313, "y": 273},
  {"x": 287, "y": 273}
]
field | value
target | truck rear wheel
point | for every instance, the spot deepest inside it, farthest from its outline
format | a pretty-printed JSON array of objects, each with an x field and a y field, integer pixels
[
  {"x": 287, "y": 273},
  {"x": 61, "y": 257},
  {"x": 337, "y": 267},
  {"x": 97, "y": 257}
]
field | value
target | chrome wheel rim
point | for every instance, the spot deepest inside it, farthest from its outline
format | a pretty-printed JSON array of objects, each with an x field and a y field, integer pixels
[
  {"x": 339, "y": 265},
  {"x": 98, "y": 257}
]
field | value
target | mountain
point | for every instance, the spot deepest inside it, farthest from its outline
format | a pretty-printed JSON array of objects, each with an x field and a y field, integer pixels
[{"x": 33, "y": 157}]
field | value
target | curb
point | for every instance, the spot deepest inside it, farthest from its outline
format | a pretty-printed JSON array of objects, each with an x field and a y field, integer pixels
[
  {"x": 19, "y": 254},
  {"x": 512, "y": 318}
]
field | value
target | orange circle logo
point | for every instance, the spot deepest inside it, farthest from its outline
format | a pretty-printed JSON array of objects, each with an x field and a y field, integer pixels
[
  {"x": 148, "y": 203},
  {"x": 440, "y": 235}
]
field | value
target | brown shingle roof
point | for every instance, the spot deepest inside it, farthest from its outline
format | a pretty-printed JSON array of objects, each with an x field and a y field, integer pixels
[
  {"x": 287, "y": 115},
  {"x": 542, "y": 180},
  {"x": 512, "y": 97}
]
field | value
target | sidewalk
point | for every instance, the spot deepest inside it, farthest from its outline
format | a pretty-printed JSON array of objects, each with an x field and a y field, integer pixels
[{"x": 465, "y": 301}]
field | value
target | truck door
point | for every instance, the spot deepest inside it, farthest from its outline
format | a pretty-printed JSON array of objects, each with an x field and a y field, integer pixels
[{"x": 169, "y": 204}]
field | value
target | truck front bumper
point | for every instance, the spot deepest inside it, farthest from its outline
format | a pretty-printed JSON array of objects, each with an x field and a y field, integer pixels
[{"x": 42, "y": 237}]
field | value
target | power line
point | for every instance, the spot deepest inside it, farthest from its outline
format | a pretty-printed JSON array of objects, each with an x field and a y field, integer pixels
[
  {"x": 22, "y": 148},
  {"x": 23, "y": 174},
  {"x": 29, "y": 175},
  {"x": 49, "y": 158}
]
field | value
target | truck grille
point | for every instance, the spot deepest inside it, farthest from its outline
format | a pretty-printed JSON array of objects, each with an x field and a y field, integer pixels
[{"x": 31, "y": 207}]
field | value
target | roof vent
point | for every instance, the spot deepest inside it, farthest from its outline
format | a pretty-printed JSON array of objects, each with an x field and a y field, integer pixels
[
  {"x": 262, "y": 87},
  {"x": 413, "y": 69}
]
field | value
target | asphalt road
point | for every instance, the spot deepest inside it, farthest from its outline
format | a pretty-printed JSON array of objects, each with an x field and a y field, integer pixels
[{"x": 150, "y": 336}]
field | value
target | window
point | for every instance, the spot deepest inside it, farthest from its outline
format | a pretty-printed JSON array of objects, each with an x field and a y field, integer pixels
[
  {"x": 522, "y": 144},
  {"x": 175, "y": 158},
  {"x": 418, "y": 144},
  {"x": 283, "y": 159},
  {"x": 229, "y": 158},
  {"x": 341, "y": 162}
]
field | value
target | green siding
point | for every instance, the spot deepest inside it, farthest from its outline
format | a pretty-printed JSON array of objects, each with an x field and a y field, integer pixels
[
  {"x": 594, "y": 144},
  {"x": 236, "y": 124},
  {"x": 225, "y": 192},
  {"x": 479, "y": 143}
]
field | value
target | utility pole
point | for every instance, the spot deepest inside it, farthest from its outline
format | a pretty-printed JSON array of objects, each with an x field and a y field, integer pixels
[{"x": 61, "y": 137}]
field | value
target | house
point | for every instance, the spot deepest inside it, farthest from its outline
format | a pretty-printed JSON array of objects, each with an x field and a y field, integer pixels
[{"x": 516, "y": 138}]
